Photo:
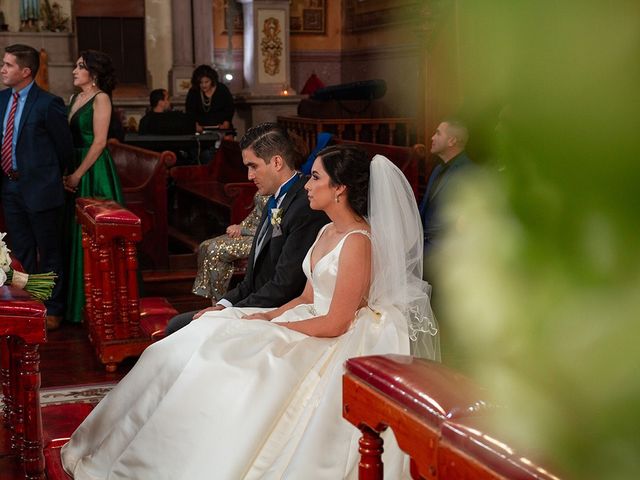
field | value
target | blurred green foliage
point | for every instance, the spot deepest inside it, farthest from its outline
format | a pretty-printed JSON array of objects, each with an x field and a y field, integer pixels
[{"x": 542, "y": 273}]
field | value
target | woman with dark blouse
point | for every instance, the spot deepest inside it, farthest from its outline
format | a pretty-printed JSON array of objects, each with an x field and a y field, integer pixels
[{"x": 209, "y": 101}]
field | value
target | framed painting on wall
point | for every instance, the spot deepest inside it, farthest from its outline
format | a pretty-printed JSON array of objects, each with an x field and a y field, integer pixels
[
  {"x": 308, "y": 16},
  {"x": 233, "y": 8},
  {"x": 305, "y": 16}
]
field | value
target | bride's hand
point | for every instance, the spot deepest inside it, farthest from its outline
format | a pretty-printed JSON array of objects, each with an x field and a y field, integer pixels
[
  {"x": 208, "y": 309},
  {"x": 257, "y": 316}
]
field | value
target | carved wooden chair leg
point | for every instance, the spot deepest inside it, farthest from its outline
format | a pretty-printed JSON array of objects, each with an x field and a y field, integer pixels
[
  {"x": 17, "y": 405},
  {"x": 5, "y": 372},
  {"x": 32, "y": 455},
  {"x": 371, "y": 448}
]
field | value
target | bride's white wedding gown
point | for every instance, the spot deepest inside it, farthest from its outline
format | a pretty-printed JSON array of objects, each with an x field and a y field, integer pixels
[{"x": 228, "y": 399}]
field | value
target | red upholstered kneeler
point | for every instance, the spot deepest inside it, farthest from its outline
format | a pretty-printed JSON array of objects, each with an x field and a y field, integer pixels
[
  {"x": 120, "y": 324},
  {"x": 412, "y": 397},
  {"x": 438, "y": 417},
  {"x": 22, "y": 329}
]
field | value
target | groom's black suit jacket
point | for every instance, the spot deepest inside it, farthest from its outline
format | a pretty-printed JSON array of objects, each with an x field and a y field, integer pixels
[{"x": 275, "y": 275}]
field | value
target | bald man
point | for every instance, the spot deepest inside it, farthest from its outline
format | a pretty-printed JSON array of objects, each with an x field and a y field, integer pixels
[{"x": 448, "y": 142}]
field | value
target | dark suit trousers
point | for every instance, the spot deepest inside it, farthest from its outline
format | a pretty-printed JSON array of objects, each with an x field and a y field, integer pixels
[
  {"x": 35, "y": 239},
  {"x": 179, "y": 321}
]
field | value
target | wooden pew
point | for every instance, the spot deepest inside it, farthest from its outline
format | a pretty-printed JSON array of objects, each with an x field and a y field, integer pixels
[
  {"x": 218, "y": 192},
  {"x": 438, "y": 416},
  {"x": 22, "y": 329},
  {"x": 120, "y": 323},
  {"x": 143, "y": 175}
]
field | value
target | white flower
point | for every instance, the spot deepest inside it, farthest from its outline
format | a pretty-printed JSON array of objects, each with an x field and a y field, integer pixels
[
  {"x": 5, "y": 259},
  {"x": 276, "y": 216}
]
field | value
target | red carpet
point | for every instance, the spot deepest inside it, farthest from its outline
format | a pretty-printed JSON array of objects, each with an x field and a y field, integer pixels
[{"x": 63, "y": 409}]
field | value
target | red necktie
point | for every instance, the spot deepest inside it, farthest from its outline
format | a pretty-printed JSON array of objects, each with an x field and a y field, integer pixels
[{"x": 7, "y": 140}]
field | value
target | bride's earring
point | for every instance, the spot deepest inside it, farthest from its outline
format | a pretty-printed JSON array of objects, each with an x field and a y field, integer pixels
[{"x": 337, "y": 198}]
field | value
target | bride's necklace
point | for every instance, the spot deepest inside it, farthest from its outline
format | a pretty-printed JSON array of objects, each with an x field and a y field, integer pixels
[{"x": 206, "y": 101}]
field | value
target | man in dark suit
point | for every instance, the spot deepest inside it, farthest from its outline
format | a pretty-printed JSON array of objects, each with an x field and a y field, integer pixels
[
  {"x": 287, "y": 229},
  {"x": 162, "y": 120},
  {"x": 36, "y": 148},
  {"x": 448, "y": 142}
]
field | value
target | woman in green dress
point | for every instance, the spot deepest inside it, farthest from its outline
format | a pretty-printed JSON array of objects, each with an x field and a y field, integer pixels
[{"x": 93, "y": 173}]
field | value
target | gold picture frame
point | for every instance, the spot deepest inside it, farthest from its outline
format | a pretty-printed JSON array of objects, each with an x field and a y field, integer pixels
[{"x": 306, "y": 17}]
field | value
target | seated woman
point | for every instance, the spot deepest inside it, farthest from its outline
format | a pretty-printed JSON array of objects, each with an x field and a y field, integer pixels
[
  {"x": 216, "y": 255},
  {"x": 255, "y": 394}
]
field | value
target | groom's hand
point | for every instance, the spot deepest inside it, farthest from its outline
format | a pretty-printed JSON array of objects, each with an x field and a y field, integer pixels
[{"x": 208, "y": 309}]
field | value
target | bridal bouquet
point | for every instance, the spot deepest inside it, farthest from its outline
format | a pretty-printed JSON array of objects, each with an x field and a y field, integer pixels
[{"x": 38, "y": 285}]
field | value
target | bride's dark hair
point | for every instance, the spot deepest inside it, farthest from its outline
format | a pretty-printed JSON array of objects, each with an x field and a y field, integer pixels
[{"x": 349, "y": 166}]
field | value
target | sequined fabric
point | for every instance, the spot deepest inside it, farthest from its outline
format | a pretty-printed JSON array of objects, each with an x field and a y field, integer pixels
[{"x": 216, "y": 255}]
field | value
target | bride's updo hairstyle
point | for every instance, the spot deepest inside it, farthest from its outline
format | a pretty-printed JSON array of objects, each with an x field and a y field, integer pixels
[
  {"x": 100, "y": 67},
  {"x": 349, "y": 166}
]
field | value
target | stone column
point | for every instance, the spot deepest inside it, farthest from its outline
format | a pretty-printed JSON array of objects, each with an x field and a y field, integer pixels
[
  {"x": 202, "y": 31},
  {"x": 180, "y": 74},
  {"x": 266, "y": 46}
]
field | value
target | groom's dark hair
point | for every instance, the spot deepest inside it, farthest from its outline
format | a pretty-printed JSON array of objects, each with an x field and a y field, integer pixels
[{"x": 269, "y": 139}]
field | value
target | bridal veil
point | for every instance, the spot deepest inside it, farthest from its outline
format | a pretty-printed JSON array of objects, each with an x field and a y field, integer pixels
[{"x": 397, "y": 243}]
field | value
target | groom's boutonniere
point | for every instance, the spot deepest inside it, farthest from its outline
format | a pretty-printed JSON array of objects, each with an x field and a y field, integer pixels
[{"x": 276, "y": 220}]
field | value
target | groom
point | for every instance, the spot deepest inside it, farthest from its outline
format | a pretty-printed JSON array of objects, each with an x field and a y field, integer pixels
[{"x": 287, "y": 229}]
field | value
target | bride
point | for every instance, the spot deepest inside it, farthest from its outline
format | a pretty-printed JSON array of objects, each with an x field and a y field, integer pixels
[{"x": 247, "y": 393}]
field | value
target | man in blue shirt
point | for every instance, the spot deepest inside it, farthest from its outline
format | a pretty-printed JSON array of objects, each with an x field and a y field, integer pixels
[{"x": 36, "y": 148}]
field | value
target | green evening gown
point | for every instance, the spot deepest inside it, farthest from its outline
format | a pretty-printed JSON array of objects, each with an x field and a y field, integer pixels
[{"x": 100, "y": 181}]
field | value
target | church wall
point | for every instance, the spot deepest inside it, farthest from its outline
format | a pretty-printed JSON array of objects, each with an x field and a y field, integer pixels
[
  {"x": 319, "y": 54},
  {"x": 390, "y": 53},
  {"x": 399, "y": 66}
]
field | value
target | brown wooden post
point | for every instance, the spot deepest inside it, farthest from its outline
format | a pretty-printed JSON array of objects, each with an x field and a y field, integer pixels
[
  {"x": 370, "y": 467},
  {"x": 32, "y": 455}
]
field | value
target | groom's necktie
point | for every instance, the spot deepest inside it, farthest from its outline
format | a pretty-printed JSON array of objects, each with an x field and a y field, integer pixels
[
  {"x": 7, "y": 139},
  {"x": 273, "y": 202}
]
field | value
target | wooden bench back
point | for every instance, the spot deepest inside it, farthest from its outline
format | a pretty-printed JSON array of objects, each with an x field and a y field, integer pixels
[
  {"x": 227, "y": 166},
  {"x": 440, "y": 418},
  {"x": 143, "y": 175}
]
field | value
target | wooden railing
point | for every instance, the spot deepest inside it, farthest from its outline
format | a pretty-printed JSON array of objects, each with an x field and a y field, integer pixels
[
  {"x": 387, "y": 131},
  {"x": 22, "y": 329},
  {"x": 120, "y": 323},
  {"x": 143, "y": 175},
  {"x": 440, "y": 418}
]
